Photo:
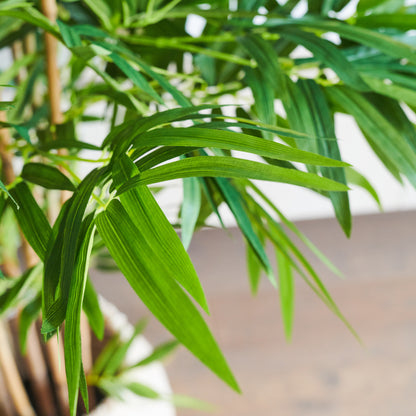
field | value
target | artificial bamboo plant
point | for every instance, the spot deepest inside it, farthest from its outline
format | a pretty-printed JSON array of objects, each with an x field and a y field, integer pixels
[{"x": 159, "y": 90}]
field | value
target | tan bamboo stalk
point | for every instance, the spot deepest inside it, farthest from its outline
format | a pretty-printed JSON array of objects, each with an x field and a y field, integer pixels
[
  {"x": 50, "y": 10},
  {"x": 12, "y": 378},
  {"x": 6, "y": 408},
  {"x": 55, "y": 355}
]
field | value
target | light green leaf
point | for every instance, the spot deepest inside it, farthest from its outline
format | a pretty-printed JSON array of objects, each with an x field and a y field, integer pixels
[
  {"x": 191, "y": 206},
  {"x": 142, "y": 390},
  {"x": 227, "y": 167},
  {"x": 356, "y": 178},
  {"x": 286, "y": 292},
  {"x": 164, "y": 297},
  {"x": 203, "y": 137},
  {"x": 157, "y": 232},
  {"x": 115, "y": 361},
  {"x": 160, "y": 352}
]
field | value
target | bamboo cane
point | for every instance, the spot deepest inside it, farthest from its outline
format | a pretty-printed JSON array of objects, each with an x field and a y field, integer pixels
[
  {"x": 6, "y": 408},
  {"x": 12, "y": 378}
]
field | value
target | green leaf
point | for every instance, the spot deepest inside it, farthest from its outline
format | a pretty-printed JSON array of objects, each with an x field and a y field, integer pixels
[
  {"x": 164, "y": 297},
  {"x": 65, "y": 246},
  {"x": 186, "y": 402},
  {"x": 67, "y": 144},
  {"x": 191, "y": 206},
  {"x": 292, "y": 227},
  {"x": 10, "y": 296},
  {"x": 115, "y": 361},
  {"x": 376, "y": 40},
  {"x": 32, "y": 16},
  {"x": 286, "y": 292},
  {"x": 160, "y": 155},
  {"x": 400, "y": 21},
  {"x": 204, "y": 137},
  {"x": 69, "y": 35},
  {"x": 329, "y": 55},
  {"x": 380, "y": 133},
  {"x": 31, "y": 218},
  {"x": 237, "y": 206},
  {"x": 227, "y": 167},
  {"x": 356, "y": 178},
  {"x": 93, "y": 311},
  {"x": 4, "y": 189},
  {"x": 135, "y": 76},
  {"x": 142, "y": 390},
  {"x": 72, "y": 339},
  {"x": 129, "y": 130},
  {"x": 157, "y": 232},
  {"x": 26, "y": 318},
  {"x": 266, "y": 58},
  {"x": 398, "y": 92},
  {"x": 311, "y": 100},
  {"x": 263, "y": 97},
  {"x": 254, "y": 268},
  {"x": 160, "y": 352},
  {"x": 46, "y": 176}
]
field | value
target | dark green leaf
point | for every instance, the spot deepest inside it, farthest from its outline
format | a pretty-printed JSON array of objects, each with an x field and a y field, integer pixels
[
  {"x": 31, "y": 219},
  {"x": 26, "y": 318},
  {"x": 46, "y": 176},
  {"x": 237, "y": 206},
  {"x": 72, "y": 339}
]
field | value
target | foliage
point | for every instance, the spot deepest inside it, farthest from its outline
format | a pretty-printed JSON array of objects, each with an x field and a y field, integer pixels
[{"x": 160, "y": 91}]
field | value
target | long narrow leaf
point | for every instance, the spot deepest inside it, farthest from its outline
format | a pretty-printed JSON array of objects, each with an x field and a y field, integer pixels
[
  {"x": 157, "y": 232},
  {"x": 164, "y": 298},
  {"x": 201, "y": 137},
  {"x": 216, "y": 166},
  {"x": 72, "y": 340}
]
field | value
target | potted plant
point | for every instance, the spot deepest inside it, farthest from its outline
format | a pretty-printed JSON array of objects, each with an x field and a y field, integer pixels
[{"x": 158, "y": 90}]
